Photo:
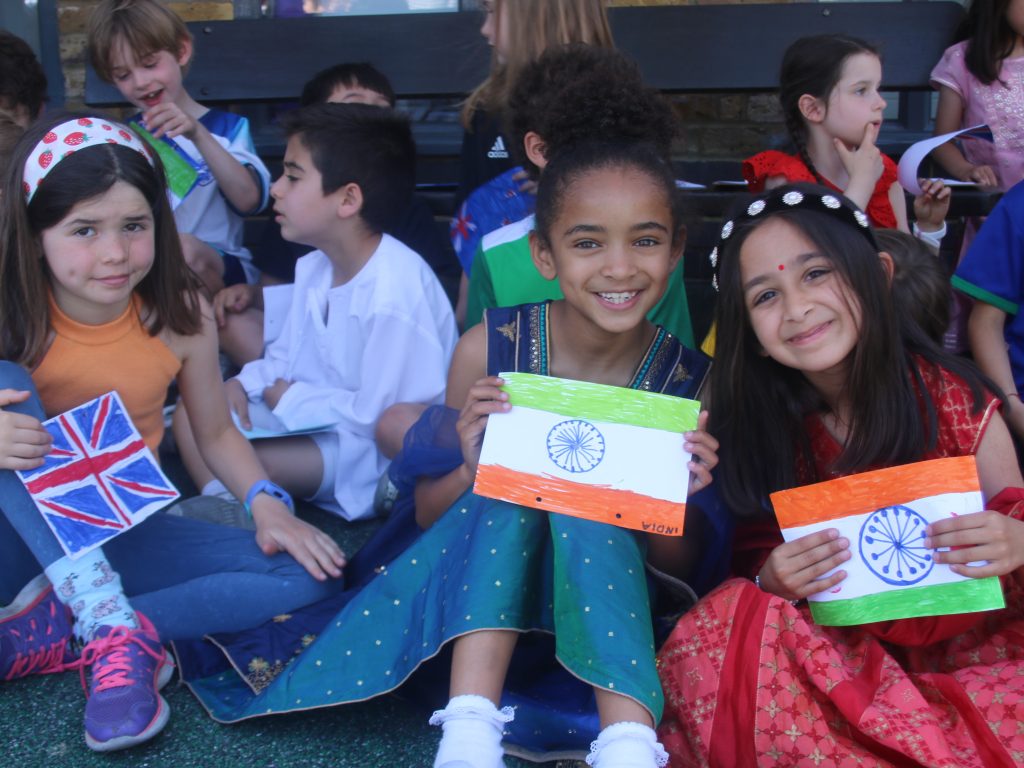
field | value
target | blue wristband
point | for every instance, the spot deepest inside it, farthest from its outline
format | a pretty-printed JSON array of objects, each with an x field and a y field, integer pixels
[{"x": 271, "y": 489}]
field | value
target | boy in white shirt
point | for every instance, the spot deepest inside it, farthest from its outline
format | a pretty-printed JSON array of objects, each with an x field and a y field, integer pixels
[
  {"x": 369, "y": 324},
  {"x": 144, "y": 49}
]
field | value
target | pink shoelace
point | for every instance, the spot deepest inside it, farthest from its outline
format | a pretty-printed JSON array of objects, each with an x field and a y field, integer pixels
[
  {"x": 114, "y": 670},
  {"x": 42, "y": 661}
]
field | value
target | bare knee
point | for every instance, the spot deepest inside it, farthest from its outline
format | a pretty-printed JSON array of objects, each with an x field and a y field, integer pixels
[{"x": 392, "y": 425}]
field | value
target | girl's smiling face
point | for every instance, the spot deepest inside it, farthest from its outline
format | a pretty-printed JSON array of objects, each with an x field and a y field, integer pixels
[
  {"x": 612, "y": 246},
  {"x": 99, "y": 252},
  {"x": 800, "y": 307}
]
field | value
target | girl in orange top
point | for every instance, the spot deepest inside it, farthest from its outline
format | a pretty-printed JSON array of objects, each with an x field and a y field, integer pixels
[{"x": 96, "y": 296}]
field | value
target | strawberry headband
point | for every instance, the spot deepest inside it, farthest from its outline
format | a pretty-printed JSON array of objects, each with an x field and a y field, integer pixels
[{"x": 69, "y": 137}]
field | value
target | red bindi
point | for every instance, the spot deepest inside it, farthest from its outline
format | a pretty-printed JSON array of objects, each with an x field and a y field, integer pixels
[{"x": 781, "y": 267}]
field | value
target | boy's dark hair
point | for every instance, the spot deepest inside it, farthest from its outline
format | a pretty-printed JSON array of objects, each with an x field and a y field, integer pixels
[
  {"x": 363, "y": 74},
  {"x": 364, "y": 145},
  {"x": 920, "y": 282},
  {"x": 813, "y": 65},
  {"x": 145, "y": 26},
  {"x": 22, "y": 80},
  {"x": 762, "y": 432},
  {"x": 990, "y": 38},
  {"x": 578, "y": 93},
  {"x": 10, "y": 133}
]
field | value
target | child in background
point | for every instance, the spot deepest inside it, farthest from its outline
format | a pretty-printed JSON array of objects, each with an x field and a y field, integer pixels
[
  {"x": 144, "y": 49},
  {"x": 519, "y": 32},
  {"x": 818, "y": 376},
  {"x": 570, "y": 95},
  {"x": 22, "y": 80},
  {"x": 829, "y": 91},
  {"x": 981, "y": 80},
  {"x": 368, "y": 324},
  {"x": 920, "y": 281},
  {"x": 992, "y": 274},
  {"x": 240, "y": 308},
  {"x": 96, "y": 297}
]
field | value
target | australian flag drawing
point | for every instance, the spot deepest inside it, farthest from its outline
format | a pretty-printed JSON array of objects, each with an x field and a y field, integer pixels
[{"x": 99, "y": 478}]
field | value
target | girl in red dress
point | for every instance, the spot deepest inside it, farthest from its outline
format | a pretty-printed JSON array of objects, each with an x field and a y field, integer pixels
[
  {"x": 818, "y": 375},
  {"x": 830, "y": 99}
]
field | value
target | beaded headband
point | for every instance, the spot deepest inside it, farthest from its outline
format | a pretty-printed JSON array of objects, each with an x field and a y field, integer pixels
[
  {"x": 807, "y": 196},
  {"x": 69, "y": 137}
]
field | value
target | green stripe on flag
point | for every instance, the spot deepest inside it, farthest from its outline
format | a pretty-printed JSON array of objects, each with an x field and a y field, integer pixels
[
  {"x": 938, "y": 600},
  {"x": 601, "y": 402}
]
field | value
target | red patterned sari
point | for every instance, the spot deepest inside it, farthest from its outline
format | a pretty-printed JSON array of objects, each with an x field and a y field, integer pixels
[{"x": 750, "y": 680}]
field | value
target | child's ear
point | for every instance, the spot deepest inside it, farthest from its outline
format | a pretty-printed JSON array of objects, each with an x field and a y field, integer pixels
[
  {"x": 536, "y": 149},
  {"x": 542, "y": 258},
  {"x": 812, "y": 108},
  {"x": 184, "y": 52},
  {"x": 888, "y": 266},
  {"x": 350, "y": 200}
]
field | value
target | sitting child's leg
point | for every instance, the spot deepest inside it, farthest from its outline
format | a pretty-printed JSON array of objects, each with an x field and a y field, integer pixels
[
  {"x": 472, "y": 723},
  {"x": 392, "y": 425},
  {"x": 627, "y": 738},
  {"x": 121, "y": 646}
]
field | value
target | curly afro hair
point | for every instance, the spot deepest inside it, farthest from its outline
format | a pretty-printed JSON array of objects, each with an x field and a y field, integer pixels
[{"x": 582, "y": 93}]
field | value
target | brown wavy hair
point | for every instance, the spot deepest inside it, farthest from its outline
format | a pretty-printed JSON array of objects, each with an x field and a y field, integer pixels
[{"x": 169, "y": 290}]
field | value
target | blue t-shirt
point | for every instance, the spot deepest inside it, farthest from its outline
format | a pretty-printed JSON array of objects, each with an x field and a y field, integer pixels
[{"x": 992, "y": 271}]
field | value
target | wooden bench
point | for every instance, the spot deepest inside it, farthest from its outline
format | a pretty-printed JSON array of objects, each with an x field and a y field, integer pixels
[{"x": 259, "y": 63}]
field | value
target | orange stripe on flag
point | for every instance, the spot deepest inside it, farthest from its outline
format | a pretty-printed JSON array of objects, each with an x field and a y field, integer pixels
[
  {"x": 868, "y": 491},
  {"x": 625, "y": 509}
]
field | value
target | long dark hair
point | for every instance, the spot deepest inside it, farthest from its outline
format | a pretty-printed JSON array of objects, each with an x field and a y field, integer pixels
[
  {"x": 758, "y": 406},
  {"x": 168, "y": 291},
  {"x": 989, "y": 36},
  {"x": 813, "y": 65}
]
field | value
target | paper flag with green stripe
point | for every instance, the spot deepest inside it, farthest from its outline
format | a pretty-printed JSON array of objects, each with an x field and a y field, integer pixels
[
  {"x": 610, "y": 454},
  {"x": 883, "y": 514}
]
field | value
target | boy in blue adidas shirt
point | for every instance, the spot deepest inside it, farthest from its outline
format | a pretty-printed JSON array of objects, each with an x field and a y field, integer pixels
[{"x": 144, "y": 49}]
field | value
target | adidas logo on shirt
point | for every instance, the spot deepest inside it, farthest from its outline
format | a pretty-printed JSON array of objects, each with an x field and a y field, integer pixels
[{"x": 498, "y": 151}]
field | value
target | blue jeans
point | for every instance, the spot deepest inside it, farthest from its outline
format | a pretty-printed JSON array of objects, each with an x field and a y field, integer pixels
[{"x": 190, "y": 578}]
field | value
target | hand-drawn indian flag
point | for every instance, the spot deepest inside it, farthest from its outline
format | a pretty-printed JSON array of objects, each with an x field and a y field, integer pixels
[
  {"x": 883, "y": 514},
  {"x": 609, "y": 454}
]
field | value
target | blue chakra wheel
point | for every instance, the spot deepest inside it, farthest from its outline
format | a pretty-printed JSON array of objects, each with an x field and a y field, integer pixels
[
  {"x": 891, "y": 546},
  {"x": 575, "y": 445}
]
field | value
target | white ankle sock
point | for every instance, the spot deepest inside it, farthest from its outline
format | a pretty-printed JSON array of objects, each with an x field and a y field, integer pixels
[
  {"x": 472, "y": 728},
  {"x": 627, "y": 745},
  {"x": 216, "y": 488},
  {"x": 92, "y": 590}
]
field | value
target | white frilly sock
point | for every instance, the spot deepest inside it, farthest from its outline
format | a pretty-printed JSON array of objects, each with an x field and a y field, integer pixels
[
  {"x": 627, "y": 745},
  {"x": 472, "y": 728}
]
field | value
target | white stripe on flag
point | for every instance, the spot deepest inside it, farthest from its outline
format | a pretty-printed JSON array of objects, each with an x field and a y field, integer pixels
[
  {"x": 647, "y": 461},
  {"x": 861, "y": 580}
]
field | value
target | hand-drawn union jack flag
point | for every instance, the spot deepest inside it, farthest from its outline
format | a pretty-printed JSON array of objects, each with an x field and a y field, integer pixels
[{"x": 99, "y": 478}]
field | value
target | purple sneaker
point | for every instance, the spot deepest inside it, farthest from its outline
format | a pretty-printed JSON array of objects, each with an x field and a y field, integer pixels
[
  {"x": 35, "y": 633},
  {"x": 129, "y": 667}
]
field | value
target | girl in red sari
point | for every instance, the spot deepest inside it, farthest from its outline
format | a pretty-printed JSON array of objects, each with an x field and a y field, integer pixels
[{"x": 818, "y": 375}]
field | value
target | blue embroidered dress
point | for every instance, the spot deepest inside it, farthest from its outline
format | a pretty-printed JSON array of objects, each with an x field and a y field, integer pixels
[{"x": 485, "y": 564}]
